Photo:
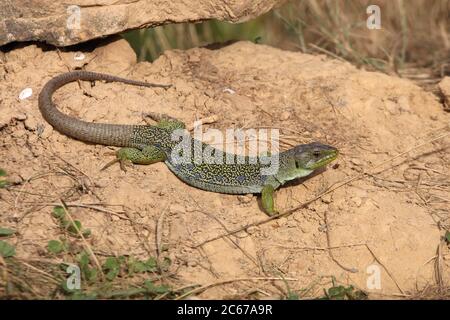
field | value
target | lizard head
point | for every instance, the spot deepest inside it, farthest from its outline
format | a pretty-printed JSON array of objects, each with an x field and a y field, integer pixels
[
  {"x": 313, "y": 155},
  {"x": 303, "y": 159}
]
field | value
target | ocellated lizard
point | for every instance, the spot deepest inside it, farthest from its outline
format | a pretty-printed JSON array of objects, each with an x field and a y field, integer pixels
[{"x": 146, "y": 144}]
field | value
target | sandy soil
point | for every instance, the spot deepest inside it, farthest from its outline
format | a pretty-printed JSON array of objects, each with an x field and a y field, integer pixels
[{"x": 393, "y": 218}]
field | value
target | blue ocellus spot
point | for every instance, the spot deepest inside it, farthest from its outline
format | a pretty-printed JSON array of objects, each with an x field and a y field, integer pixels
[{"x": 220, "y": 178}]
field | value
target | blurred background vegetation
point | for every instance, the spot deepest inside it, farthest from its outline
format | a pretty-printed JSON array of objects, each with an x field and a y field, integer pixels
[{"x": 415, "y": 33}]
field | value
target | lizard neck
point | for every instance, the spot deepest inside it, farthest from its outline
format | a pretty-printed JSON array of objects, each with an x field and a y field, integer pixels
[{"x": 288, "y": 170}]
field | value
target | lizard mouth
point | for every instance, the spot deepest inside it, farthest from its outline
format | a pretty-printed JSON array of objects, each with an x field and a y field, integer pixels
[{"x": 325, "y": 158}]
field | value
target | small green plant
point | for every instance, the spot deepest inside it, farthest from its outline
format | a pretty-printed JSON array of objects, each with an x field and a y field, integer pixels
[
  {"x": 71, "y": 227},
  {"x": 89, "y": 273},
  {"x": 100, "y": 278},
  {"x": 6, "y": 250},
  {"x": 152, "y": 288},
  {"x": 56, "y": 246},
  {"x": 344, "y": 293},
  {"x": 115, "y": 270},
  {"x": 112, "y": 267}
]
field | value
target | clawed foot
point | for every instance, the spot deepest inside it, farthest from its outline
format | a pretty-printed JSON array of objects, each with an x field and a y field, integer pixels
[{"x": 124, "y": 163}]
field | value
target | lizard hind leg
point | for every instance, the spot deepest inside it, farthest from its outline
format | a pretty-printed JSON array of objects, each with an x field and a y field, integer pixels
[{"x": 148, "y": 155}]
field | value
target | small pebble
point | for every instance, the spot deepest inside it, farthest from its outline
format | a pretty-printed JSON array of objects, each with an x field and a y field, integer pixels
[
  {"x": 78, "y": 56},
  {"x": 285, "y": 115},
  {"x": 192, "y": 263},
  {"x": 245, "y": 198},
  {"x": 103, "y": 183},
  {"x": 26, "y": 93},
  {"x": 228, "y": 90},
  {"x": 326, "y": 198},
  {"x": 31, "y": 124}
]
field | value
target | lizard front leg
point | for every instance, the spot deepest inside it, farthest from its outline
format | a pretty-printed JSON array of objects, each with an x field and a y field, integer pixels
[{"x": 267, "y": 200}]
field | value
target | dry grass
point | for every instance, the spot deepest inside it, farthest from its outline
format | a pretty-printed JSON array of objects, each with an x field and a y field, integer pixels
[
  {"x": 412, "y": 33},
  {"x": 432, "y": 293}
]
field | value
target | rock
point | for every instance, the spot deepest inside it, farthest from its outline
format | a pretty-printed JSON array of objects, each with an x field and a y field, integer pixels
[
  {"x": 327, "y": 198},
  {"x": 64, "y": 24},
  {"x": 101, "y": 183},
  {"x": 117, "y": 54},
  {"x": 285, "y": 115},
  {"x": 31, "y": 123},
  {"x": 47, "y": 131},
  {"x": 247, "y": 198}
]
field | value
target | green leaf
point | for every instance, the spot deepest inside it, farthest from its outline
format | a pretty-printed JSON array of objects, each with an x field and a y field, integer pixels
[
  {"x": 80, "y": 295},
  {"x": 151, "y": 264},
  {"x": 86, "y": 232},
  {"x": 122, "y": 259},
  {"x": 2, "y": 173},
  {"x": 58, "y": 212},
  {"x": 6, "y": 250},
  {"x": 357, "y": 295},
  {"x": 337, "y": 292},
  {"x": 112, "y": 268},
  {"x": 77, "y": 294},
  {"x": 447, "y": 236},
  {"x": 293, "y": 296},
  {"x": 151, "y": 288},
  {"x": 6, "y": 232},
  {"x": 55, "y": 246},
  {"x": 83, "y": 259},
  {"x": 138, "y": 266},
  {"x": 74, "y": 226},
  {"x": 90, "y": 274}
]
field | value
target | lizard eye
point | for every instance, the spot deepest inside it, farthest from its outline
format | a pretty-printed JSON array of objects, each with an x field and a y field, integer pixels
[{"x": 316, "y": 153}]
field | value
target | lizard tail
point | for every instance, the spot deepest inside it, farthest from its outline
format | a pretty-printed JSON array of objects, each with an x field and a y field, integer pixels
[{"x": 100, "y": 133}]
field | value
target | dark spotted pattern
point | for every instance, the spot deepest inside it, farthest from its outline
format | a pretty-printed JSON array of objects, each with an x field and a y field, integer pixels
[{"x": 243, "y": 177}]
